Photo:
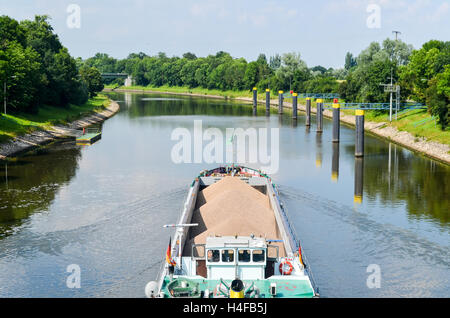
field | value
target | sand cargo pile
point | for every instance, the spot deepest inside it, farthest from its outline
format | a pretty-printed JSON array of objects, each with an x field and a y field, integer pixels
[{"x": 231, "y": 206}]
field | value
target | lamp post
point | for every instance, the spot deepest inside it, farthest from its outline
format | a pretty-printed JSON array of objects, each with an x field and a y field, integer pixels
[{"x": 4, "y": 92}]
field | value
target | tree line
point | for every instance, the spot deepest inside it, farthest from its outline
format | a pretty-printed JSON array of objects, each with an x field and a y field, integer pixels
[
  {"x": 38, "y": 70},
  {"x": 221, "y": 71},
  {"x": 423, "y": 75}
]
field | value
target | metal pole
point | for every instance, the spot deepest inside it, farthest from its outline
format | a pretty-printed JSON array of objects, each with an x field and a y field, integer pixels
[
  {"x": 280, "y": 102},
  {"x": 255, "y": 97},
  {"x": 359, "y": 141},
  {"x": 4, "y": 96},
  {"x": 336, "y": 122},
  {"x": 308, "y": 112},
  {"x": 390, "y": 109},
  {"x": 294, "y": 105},
  {"x": 267, "y": 102},
  {"x": 319, "y": 115},
  {"x": 359, "y": 178}
]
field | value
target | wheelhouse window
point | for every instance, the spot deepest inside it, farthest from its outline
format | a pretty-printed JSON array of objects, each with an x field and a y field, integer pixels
[
  {"x": 227, "y": 256},
  {"x": 213, "y": 256},
  {"x": 244, "y": 256},
  {"x": 258, "y": 256}
]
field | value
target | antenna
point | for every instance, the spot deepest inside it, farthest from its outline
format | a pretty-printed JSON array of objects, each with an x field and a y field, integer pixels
[{"x": 396, "y": 34}]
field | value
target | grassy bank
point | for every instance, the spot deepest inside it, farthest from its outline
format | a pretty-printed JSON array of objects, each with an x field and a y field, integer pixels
[
  {"x": 185, "y": 89},
  {"x": 409, "y": 121},
  {"x": 418, "y": 123},
  {"x": 17, "y": 124}
]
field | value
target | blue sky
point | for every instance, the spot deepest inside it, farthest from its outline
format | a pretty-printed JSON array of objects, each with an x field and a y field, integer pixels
[{"x": 322, "y": 30}]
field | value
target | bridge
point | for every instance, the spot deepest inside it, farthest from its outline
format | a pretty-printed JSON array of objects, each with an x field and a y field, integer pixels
[
  {"x": 128, "y": 78},
  {"x": 362, "y": 106},
  {"x": 313, "y": 95},
  {"x": 398, "y": 107},
  {"x": 377, "y": 106}
]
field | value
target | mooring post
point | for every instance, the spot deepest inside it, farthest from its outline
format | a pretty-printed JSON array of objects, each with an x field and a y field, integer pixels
[
  {"x": 280, "y": 102},
  {"x": 294, "y": 105},
  {"x": 319, "y": 115},
  {"x": 359, "y": 176},
  {"x": 255, "y": 98},
  {"x": 308, "y": 112},
  {"x": 267, "y": 102},
  {"x": 359, "y": 141},
  {"x": 336, "y": 122}
]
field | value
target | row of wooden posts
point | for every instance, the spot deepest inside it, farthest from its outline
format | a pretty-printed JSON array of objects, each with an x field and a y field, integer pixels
[{"x": 359, "y": 117}]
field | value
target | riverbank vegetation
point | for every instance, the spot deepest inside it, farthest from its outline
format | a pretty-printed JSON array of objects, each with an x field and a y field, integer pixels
[
  {"x": 39, "y": 71},
  {"x": 424, "y": 74},
  {"x": 20, "y": 123}
]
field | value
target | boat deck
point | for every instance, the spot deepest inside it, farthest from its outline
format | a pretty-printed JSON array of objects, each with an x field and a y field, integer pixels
[{"x": 286, "y": 287}]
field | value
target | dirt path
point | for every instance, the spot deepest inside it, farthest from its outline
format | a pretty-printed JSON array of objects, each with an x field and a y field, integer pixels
[{"x": 41, "y": 137}]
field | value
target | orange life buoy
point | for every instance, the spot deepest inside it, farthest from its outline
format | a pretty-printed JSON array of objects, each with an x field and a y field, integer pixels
[{"x": 281, "y": 268}]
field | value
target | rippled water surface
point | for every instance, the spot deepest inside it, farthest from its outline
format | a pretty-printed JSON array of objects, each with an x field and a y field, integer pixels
[{"x": 102, "y": 207}]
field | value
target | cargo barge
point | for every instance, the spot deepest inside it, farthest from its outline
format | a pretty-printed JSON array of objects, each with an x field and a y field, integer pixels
[{"x": 233, "y": 240}]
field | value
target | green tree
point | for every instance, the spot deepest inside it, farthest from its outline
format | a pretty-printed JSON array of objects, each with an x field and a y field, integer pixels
[
  {"x": 374, "y": 66},
  {"x": 19, "y": 68},
  {"x": 292, "y": 65},
  {"x": 275, "y": 62},
  {"x": 11, "y": 31},
  {"x": 92, "y": 78},
  {"x": 189, "y": 56},
  {"x": 350, "y": 61},
  {"x": 426, "y": 76},
  {"x": 251, "y": 75},
  {"x": 438, "y": 97}
]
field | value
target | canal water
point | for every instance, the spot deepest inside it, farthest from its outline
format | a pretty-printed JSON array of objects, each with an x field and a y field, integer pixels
[{"x": 102, "y": 208}]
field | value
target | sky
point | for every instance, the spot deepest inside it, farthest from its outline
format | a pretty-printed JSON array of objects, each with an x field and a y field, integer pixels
[{"x": 322, "y": 31}]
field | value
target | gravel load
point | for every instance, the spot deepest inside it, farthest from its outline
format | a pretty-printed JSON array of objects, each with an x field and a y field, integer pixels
[{"x": 232, "y": 207}]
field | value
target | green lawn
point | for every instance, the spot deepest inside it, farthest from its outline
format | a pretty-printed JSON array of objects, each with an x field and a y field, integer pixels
[
  {"x": 417, "y": 122},
  {"x": 196, "y": 90},
  {"x": 13, "y": 125}
]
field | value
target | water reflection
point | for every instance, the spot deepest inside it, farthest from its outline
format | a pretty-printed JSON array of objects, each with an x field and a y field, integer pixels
[
  {"x": 294, "y": 122},
  {"x": 335, "y": 162},
  {"x": 318, "y": 150},
  {"x": 359, "y": 179},
  {"x": 128, "y": 99},
  {"x": 31, "y": 183},
  {"x": 6, "y": 175},
  {"x": 397, "y": 176}
]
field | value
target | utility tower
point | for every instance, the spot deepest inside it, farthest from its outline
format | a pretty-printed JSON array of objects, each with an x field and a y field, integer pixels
[{"x": 396, "y": 34}]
